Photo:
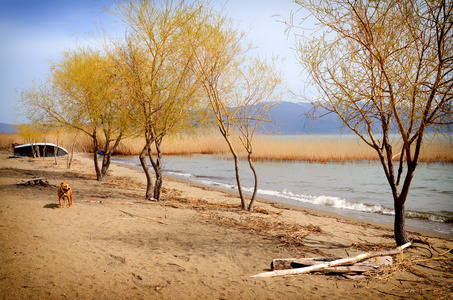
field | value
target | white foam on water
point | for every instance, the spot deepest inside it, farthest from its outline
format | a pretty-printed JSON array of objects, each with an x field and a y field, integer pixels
[{"x": 320, "y": 200}]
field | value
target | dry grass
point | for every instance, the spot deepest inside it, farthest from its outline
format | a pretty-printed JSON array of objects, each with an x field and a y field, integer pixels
[
  {"x": 172, "y": 145},
  {"x": 430, "y": 268},
  {"x": 288, "y": 233},
  {"x": 311, "y": 148},
  {"x": 261, "y": 221}
]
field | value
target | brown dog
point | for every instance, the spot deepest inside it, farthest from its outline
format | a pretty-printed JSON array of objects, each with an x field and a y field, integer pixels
[{"x": 64, "y": 192}]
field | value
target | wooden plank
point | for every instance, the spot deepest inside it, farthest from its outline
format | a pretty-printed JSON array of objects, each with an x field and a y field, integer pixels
[{"x": 334, "y": 263}]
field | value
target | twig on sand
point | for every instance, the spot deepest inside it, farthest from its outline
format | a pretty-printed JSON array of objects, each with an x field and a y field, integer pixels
[
  {"x": 146, "y": 218},
  {"x": 108, "y": 202}
]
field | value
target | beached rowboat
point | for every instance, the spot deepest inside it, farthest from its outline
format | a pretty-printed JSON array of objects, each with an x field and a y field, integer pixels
[{"x": 39, "y": 150}]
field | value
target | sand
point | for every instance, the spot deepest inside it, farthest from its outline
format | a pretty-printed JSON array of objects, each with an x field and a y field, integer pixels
[{"x": 194, "y": 244}]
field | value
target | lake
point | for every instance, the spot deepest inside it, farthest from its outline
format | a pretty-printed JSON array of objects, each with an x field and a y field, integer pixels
[{"x": 356, "y": 190}]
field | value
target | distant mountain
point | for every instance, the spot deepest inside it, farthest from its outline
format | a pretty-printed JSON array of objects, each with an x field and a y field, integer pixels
[
  {"x": 292, "y": 118},
  {"x": 7, "y": 128}
]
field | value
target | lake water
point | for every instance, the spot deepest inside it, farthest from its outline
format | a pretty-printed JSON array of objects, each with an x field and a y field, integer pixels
[{"x": 357, "y": 190}]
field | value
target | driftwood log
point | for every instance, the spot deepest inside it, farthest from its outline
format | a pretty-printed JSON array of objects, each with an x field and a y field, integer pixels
[
  {"x": 293, "y": 263},
  {"x": 36, "y": 181},
  {"x": 330, "y": 264}
]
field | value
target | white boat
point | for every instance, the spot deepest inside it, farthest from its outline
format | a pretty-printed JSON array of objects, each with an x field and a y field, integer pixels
[{"x": 45, "y": 150}]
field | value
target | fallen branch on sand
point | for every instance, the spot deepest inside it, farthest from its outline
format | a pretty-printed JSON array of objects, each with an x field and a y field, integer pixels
[
  {"x": 146, "y": 218},
  {"x": 338, "y": 262}
]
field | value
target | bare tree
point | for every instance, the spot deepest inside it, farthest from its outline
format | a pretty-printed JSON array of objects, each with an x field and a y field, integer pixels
[
  {"x": 218, "y": 52},
  {"x": 238, "y": 90},
  {"x": 385, "y": 69},
  {"x": 256, "y": 91},
  {"x": 154, "y": 66},
  {"x": 81, "y": 94}
]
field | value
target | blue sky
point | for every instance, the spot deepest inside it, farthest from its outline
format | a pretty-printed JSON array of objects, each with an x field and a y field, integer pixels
[{"x": 34, "y": 32}]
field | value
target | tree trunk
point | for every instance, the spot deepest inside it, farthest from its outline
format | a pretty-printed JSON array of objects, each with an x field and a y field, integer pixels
[
  {"x": 108, "y": 156},
  {"x": 105, "y": 165},
  {"x": 33, "y": 153},
  {"x": 157, "y": 166},
  {"x": 400, "y": 224},
  {"x": 149, "y": 182},
  {"x": 105, "y": 160},
  {"x": 236, "y": 168},
  {"x": 399, "y": 202},
  {"x": 55, "y": 150},
  {"x": 238, "y": 181},
  {"x": 95, "y": 158},
  {"x": 255, "y": 176},
  {"x": 71, "y": 156}
]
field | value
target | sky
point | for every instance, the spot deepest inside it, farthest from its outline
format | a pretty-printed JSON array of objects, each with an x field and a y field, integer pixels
[{"x": 35, "y": 32}]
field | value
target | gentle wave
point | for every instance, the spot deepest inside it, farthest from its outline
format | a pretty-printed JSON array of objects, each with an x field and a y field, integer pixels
[
  {"x": 330, "y": 201},
  {"x": 188, "y": 175},
  {"x": 334, "y": 202}
]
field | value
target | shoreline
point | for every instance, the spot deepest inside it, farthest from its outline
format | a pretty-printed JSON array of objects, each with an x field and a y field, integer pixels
[
  {"x": 314, "y": 211},
  {"x": 274, "y": 203},
  {"x": 194, "y": 244}
]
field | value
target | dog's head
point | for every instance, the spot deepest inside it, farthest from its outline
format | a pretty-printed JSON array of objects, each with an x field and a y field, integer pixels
[{"x": 64, "y": 186}]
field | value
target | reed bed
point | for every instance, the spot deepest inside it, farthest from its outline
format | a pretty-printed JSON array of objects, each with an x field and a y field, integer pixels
[
  {"x": 321, "y": 149},
  {"x": 178, "y": 145},
  {"x": 310, "y": 148}
]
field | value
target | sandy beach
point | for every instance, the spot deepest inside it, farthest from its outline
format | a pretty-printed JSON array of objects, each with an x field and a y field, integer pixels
[{"x": 194, "y": 244}]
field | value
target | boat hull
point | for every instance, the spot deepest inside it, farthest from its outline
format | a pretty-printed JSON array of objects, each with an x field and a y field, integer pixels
[{"x": 39, "y": 150}]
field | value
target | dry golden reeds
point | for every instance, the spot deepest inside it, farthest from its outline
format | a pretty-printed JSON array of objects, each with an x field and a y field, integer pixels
[
  {"x": 310, "y": 148},
  {"x": 177, "y": 145}
]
